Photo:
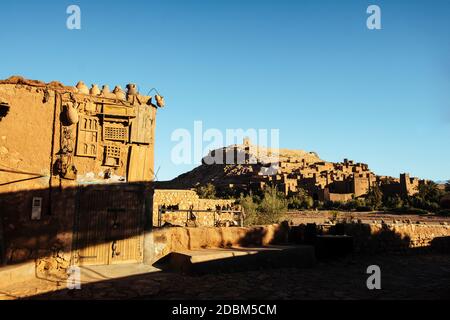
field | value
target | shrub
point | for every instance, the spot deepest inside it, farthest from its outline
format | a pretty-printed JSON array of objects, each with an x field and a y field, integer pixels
[
  {"x": 207, "y": 191},
  {"x": 329, "y": 205},
  {"x": 353, "y": 204},
  {"x": 374, "y": 197},
  {"x": 364, "y": 209},
  {"x": 250, "y": 207},
  {"x": 394, "y": 202},
  {"x": 270, "y": 209},
  {"x": 445, "y": 212},
  {"x": 300, "y": 200}
]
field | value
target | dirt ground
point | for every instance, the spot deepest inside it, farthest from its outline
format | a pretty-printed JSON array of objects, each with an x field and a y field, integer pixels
[{"x": 405, "y": 276}]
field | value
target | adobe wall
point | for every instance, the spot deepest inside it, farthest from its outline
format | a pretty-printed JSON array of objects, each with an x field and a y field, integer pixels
[
  {"x": 39, "y": 147},
  {"x": 340, "y": 197},
  {"x": 28, "y": 139},
  {"x": 166, "y": 240},
  {"x": 361, "y": 185},
  {"x": 372, "y": 238},
  {"x": 184, "y": 200}
]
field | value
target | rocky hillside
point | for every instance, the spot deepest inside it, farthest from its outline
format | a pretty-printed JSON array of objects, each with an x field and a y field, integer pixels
[{"x": 237, "y": 164}]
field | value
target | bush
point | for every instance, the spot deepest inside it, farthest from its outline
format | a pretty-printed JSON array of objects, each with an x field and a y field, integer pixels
[
  {"x": 394, "y": 202},
  {"x": 300, "y": 200},
  {"x": 445, "y": 212},
  {"x": 330, "y": 205},
  {"x": 270, "y": 209},
  {"x": 273, "y": 206},
  {"x": 207, "y": 191},
  {"x": 353, "y": 204},
  {"x": 364, "y": 209},
  {"x": 250, "y": 206},
  {"x": 375, "y": 197}
]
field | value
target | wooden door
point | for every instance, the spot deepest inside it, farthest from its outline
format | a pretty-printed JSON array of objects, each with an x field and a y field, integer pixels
[{"x": 110, "y": 226}]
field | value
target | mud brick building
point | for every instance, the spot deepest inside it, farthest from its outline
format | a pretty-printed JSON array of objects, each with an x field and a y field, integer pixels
[
  {"x": 246, "y": 167},
  {"x": 76, "y": 172}
]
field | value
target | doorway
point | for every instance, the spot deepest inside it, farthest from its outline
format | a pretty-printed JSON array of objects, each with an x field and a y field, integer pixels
[{"x": 110, "y": 225}]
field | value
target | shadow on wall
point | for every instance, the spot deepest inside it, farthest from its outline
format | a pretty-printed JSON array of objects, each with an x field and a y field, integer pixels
[
  {"x": 100, "y": 224},
  {"x": 441, "y": 244},
  {"x": 4, "y": 109},
  {"x": 363, "y": 236},
  {"x": 257, "y": 234},
  {"x": 377, "y": 238}
]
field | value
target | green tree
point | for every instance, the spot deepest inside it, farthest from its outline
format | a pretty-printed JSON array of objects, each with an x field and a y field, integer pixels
[
  {"x": 300, "y": 200},
  {"x": 270, "y": 209},
  {"x": 249, "y": 205},
  {"x": 429, "y": 192},
  {"x": 375, "y": 196},
  {"x": 273, "y": 206},
  {"x": 394, "y": 202},
  {"x": 428, "y": 197}
]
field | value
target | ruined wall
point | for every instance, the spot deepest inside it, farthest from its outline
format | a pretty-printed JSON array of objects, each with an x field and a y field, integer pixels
[{"x": 185, "y": 200}]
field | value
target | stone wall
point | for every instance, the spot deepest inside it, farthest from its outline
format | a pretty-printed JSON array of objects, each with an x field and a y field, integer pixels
[{"x": 186, "y": 200}]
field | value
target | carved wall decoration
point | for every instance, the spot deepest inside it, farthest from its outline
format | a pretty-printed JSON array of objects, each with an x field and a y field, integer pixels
[
  {"x": 115, "y": 132},
  {"x": 90, "y": 107},
  {"x": 64, "y": 165},
  {"x": 118, "y": 111},
  {"x": 113, "y": 155},
  {"x": 87, "y": 142}
]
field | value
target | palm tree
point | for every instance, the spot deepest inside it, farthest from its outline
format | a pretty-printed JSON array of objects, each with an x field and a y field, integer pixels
[{"x": 429, "y": 191}]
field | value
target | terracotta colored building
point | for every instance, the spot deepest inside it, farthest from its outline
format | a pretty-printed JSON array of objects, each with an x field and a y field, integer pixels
[{"x": 76, "y": 172}]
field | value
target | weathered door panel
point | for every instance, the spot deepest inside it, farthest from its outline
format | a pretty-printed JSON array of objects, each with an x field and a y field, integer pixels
[
  {"x": 140, "y": 164},
  {"x": 110, "y": 226}
]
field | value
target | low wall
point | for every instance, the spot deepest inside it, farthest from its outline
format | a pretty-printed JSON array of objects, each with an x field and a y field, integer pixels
[
  {"x": 166, "y": 240},
  {"x": 392, "y": 237},
  {"x": 185, "y": 200}
]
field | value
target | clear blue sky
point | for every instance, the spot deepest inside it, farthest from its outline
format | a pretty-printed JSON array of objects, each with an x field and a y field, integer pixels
[{"x": 309, "y": 68}]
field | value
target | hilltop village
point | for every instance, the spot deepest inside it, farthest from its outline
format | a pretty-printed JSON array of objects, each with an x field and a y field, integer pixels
[{"x": 246, "y": 167}]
